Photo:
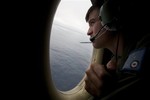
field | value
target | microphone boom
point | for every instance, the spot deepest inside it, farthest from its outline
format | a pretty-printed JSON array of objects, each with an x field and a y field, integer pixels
[{"x": 97, "y": 34}]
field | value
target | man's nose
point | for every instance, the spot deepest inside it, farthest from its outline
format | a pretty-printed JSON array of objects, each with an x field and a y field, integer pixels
[{"x": 89, "y": 32}]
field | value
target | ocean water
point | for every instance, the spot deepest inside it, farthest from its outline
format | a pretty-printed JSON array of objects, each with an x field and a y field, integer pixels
[{"x": 69, "y": 57}]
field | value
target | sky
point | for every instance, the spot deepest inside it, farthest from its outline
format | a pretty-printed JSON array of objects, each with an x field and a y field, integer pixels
[{"x": 71, "y": 13}]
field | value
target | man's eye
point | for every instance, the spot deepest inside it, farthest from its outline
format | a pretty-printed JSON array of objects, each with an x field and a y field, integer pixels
[{"x": 92, "y": 23}]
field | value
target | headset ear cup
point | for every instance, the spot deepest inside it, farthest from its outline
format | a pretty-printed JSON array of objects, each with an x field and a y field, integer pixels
[{"x": 108, "y": 15}]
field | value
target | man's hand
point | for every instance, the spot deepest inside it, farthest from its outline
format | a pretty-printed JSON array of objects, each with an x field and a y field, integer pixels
[{"x": 98, "y": 79}]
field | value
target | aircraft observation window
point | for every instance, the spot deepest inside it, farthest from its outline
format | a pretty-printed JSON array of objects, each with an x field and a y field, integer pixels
[{"x": 70, "y": 48}]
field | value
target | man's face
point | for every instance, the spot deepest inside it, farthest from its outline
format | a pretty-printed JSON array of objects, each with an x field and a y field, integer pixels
[{"x": 94, "y": 27}]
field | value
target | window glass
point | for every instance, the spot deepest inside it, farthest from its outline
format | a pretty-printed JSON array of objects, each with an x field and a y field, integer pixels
[{"x": 70, "y": 48}]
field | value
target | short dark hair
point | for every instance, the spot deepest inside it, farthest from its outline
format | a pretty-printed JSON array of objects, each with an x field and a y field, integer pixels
[
  {"x": 89, "y": 11},
  {"x": 96, "y": 4}
]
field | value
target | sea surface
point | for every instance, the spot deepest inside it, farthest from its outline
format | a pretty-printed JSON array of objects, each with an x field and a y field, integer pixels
[{"x": 69, "y": 56}]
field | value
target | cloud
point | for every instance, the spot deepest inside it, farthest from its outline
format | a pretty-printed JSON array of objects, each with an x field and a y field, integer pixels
[{"x": 72, "y": 13}]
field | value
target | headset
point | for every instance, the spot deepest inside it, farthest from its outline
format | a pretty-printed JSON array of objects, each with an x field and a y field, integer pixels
[{"x": 109, "y": 15}]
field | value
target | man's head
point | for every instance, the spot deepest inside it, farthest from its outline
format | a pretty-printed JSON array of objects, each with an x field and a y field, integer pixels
[{"x": 96, "y": 29}]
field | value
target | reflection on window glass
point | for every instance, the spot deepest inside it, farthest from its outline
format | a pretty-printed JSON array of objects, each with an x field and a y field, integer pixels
[{"x": 70, "y": 50}]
